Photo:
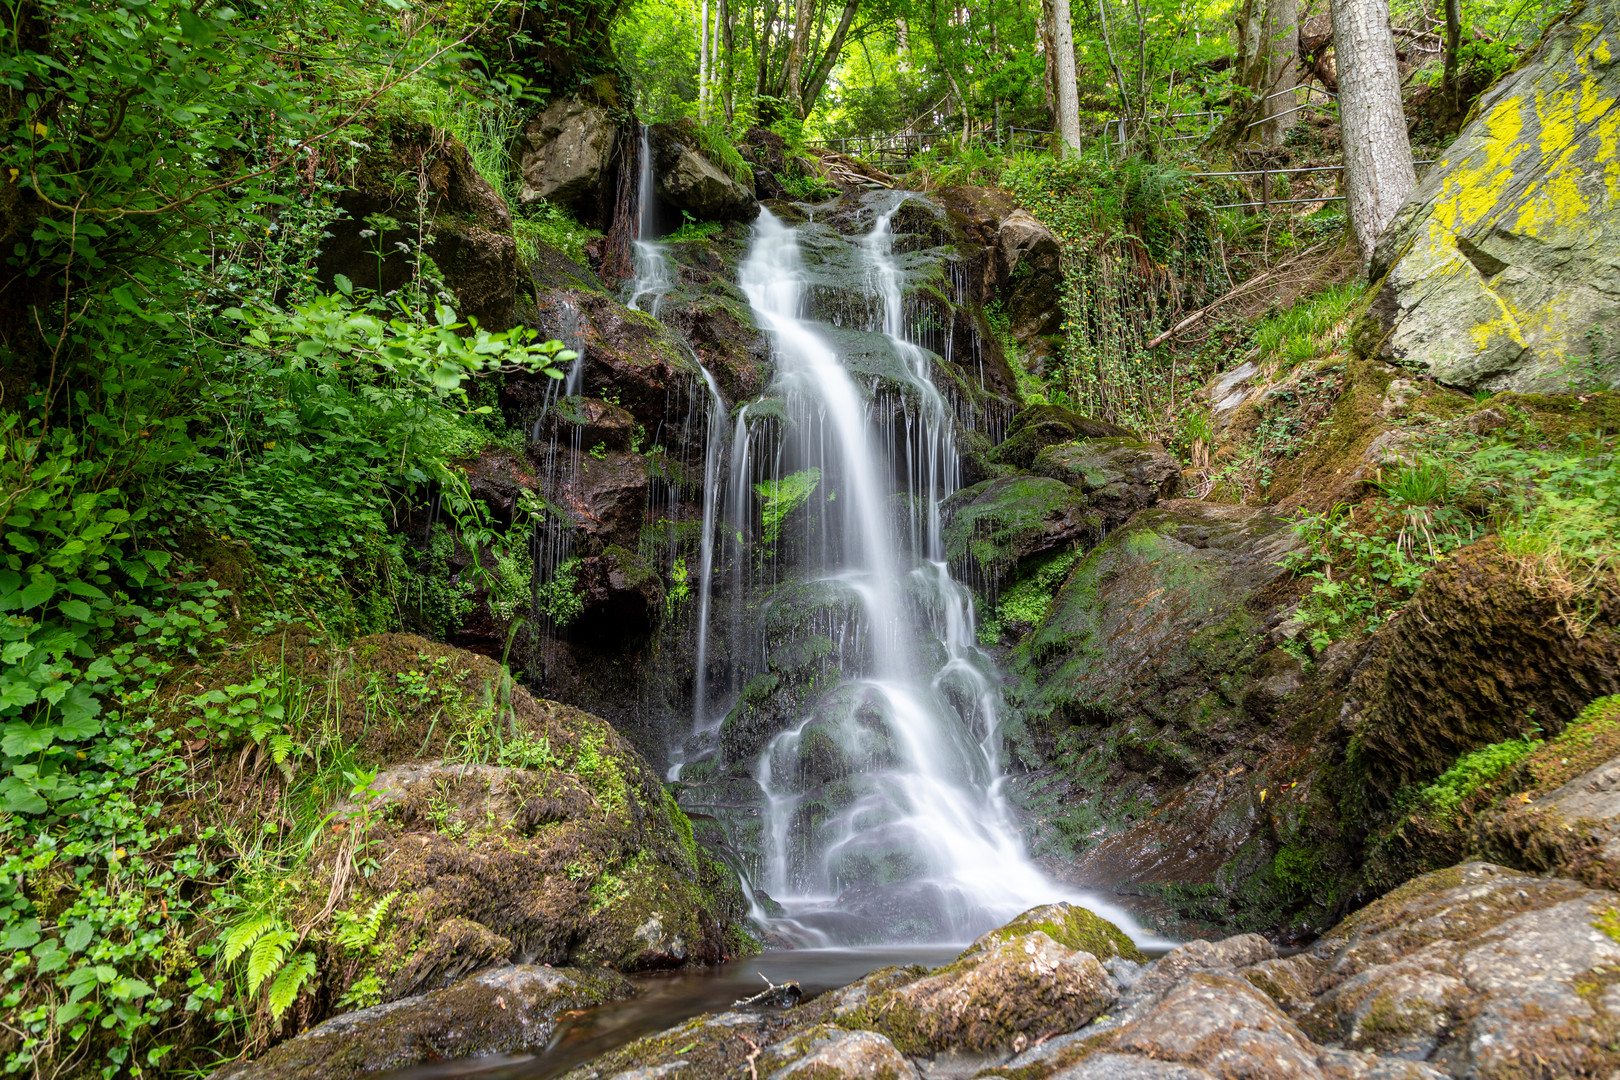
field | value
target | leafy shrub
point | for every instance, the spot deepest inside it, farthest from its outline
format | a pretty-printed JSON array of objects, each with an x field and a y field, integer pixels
[{"x": 550, "y": 224}]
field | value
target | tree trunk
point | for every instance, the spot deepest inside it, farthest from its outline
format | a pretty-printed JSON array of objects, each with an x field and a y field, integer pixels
[
  {"x": 1049, "y": 49},
  {"x": 1453, "y": 44},
  {"x": 829, "y": 59},
  {"x": 728, "y": 46},
  {"x": 1068, "y": 92},
  {"x": 762, "y": 52},
  {"x": 1268, "y": 53},
  {"x": 1378, "y": 173},
  {"x": 793, "y": 71},
  {"x": 703, "y": 65}
]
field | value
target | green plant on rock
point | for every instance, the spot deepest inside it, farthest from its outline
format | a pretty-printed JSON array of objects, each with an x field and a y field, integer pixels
[
  {"x": 559, "y": 598},
  {"x": 1472, "y": 772},
  {"x": 779, "y": 498}
]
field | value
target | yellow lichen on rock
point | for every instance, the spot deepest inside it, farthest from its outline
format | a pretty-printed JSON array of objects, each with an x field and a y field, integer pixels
[{"x": 1500, "y": 271}]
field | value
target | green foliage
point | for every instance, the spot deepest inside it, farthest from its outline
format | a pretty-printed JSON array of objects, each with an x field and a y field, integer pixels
[
  {"x": 693, "y": 231},
  {"x": 551, "y": 224},
  {"x": 559, "y": 598},
  {"x": 1024, "y": 606},
  {"x": 1473, "y": 771},
  {"x": 779, "y": 498},
  {"x": 1312, "y": 327},
  {"x": 717, "y": 146}
]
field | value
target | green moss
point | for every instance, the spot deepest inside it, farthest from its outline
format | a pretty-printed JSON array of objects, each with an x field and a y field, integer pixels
[
  {"x": 996, "y": 522},
  {"x": 1071, "y": 926}
]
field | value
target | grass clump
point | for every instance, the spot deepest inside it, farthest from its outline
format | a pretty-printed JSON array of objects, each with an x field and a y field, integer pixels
[{"x": 1314, "y": 326}]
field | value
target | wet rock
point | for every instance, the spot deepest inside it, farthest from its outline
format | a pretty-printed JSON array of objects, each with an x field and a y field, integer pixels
[
  {"x": 511, "y": 1008},
  {"x": 1122, "y": 475},
  {"x": 1477, "y": 970},
  {"x": 1473, "y": 656},
  {"x": 468, "y": 226},
  {"x": 606, "y": 496},
  {"x": 589, "y": 424},
  {"x": 622, "y": 596},
  {"x": 1040, "y": 426},
  {"x": 1498, "y": 269},
  {"x": 983, "y": 1001},
  {"x": 1195, "y": 956},
  {"x": 827, "y": 1052},
  {"x": 1569, "y": 819},
  {"x": 1130, "y": 1067},
  {"x": 1029, "y": 274},
  {"x": 994, "y": 525},
  {"x": 1222, "y": 1023},
  {"x": 564, "y": 153},
  {"x": 1070, "y": 926},
  {"x": 686, "y": 179}
]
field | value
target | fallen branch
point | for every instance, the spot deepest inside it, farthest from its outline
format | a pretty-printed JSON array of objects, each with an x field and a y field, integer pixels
[{"x": 1252, "y": 283}]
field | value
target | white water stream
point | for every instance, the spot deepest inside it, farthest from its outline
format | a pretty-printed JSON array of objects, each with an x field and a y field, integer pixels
[{"x": 921, "y": 837}]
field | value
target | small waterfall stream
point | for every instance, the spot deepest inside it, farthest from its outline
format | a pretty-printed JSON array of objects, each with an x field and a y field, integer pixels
[{"x": 916, "y": 838}]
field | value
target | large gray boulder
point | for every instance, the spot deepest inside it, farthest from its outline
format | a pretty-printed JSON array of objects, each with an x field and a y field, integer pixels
[
  {"x": 1029, "y": 273},
  {"x": 564, "y": 152},
  {"x": 1502, "y": 271},
  {"x": 687, "y": 180},
  {"x": 511, "y": 1008}
]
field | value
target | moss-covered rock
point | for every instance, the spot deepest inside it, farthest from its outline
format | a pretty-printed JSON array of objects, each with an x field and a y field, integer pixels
[
  {"x": 468, "y": 226},
  {"x": 497, "y": 826},
  {"x": 502, "y": 1011},
  {"x": 994, "y": 525},
  {"x": 1072, "y": 927},
  {"x": 1493, "y": 270},
  {"x": 1476, "y": 658},
  {"x": 1040, "y": 426},
  {"x": 985, "y": 1000}
]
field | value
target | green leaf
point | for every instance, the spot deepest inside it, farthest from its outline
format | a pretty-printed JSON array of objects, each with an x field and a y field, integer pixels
[
  {"x": 196, "y": 30},
  {"x": 266, "y": 957},
  {"x": 77, "y": 610},
  {"x": 79, "y": 935},
  {"x": 25, "y": 935},
  {"x": 344, "y": 285},
  {"x": 284, "y": 991},
  {"x": 39, "y": 590}
]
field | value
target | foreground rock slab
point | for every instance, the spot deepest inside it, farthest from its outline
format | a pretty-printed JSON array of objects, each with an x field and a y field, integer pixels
[
  {"x": 511, "y": 1008},
  {"x": 1477, "y": 971}
]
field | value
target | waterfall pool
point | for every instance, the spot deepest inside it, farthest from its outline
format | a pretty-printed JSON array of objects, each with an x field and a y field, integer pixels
[{"x": 665, "y": 1000}]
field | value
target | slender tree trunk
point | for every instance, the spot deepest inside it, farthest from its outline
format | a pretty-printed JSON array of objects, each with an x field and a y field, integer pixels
[
  {"x": 762, "y": 52},
  {"x": 1378, "y": 173},
  {"x": 728, "y": 45},
  {"x": 1064, "y": 78},
  {"x": 1453, "y": 44},
  {"x": 703, "y": 65},
  {"x": 829, "y": 59},
  {"x": 1268, "y": 55},
  {"x": 793, "y": 72}
]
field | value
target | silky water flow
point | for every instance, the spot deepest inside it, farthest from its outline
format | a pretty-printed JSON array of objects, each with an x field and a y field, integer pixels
[{"x": 919, "y": 842}]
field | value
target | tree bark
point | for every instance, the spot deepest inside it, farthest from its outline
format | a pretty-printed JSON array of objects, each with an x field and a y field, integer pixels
[
  {"x": 728, "y": 46},
  {"x": 1378, "y": 173},
  {"x": 1049, "y": 49},
  {"x": 1063, "y": 75},
  {"x": 1268, "y": 53},
  {"x": 703, "y": 64},
  {"x": 793, "y": 71},
  {"x": 1453, "y": 45},
  {"x": 829, "y": 59},
  {"x": 762, "y": 52}
]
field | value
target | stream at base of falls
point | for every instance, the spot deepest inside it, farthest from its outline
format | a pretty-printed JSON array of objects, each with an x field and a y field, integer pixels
[{"x": 665, "y": 1000}]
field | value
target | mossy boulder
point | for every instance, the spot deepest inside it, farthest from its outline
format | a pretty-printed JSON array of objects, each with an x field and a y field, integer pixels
[
  {"x": 1494, "y": 269},
  {"x": 502, "y": 827},
  {"x": 985, "y": 1000},
  {"x": 509, "y": 1009},
  {"x": 1040, "y": 426},
  {"x": 686, "y": 178},
  {"x": 1069, "y": 925},
  {"x": 565, "y": 155},
  {"x": 994, "y": 525},
  {"x": 1478, "y": 657},
  {"x": 468, "y": 227}
]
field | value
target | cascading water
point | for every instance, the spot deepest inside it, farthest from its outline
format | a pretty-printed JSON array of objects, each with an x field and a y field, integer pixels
[
  {"x": 653, "y": 279},
  {"x": 883, "y": 812}
]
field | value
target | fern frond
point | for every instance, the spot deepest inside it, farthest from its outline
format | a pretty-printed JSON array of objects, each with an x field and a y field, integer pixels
[
  {"x": 244, "y": 934},
  {"x": 284, "y": 991},
  {"x": 266, "y": 956}
]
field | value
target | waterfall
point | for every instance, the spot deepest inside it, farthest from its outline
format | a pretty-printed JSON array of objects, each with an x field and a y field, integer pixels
[
  {"x": 905, "y": 833},
  {"x": 653, "y": 280}
]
